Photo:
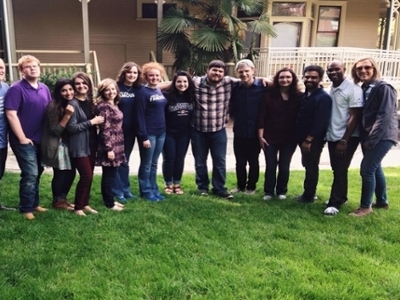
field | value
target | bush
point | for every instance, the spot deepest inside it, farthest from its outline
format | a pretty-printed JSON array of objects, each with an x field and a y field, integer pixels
[{"x": 50, "y": 78}]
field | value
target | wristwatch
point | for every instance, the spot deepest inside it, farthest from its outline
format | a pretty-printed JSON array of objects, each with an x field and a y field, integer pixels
[{"x": 343, "y": 142}]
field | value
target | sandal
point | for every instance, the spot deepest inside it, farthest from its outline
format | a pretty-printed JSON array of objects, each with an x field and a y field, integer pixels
[
  {"x": 178, "y": 190},
  {"x": 168, "y": 190}
]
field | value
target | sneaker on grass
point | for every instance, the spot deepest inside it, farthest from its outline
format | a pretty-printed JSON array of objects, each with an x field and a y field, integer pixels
[
  {"x": 331, "y": 211},
  {"x": 267, "y": 197}
]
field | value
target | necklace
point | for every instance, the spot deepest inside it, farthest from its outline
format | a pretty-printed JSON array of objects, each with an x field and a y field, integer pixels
[{"x": 128, "y": 88}]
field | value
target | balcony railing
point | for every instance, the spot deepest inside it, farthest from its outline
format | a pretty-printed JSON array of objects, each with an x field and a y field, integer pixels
[{"x": 270, "y": 60}]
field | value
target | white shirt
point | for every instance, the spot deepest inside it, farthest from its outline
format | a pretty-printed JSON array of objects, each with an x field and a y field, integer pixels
[{"x": 347, "y": 95}]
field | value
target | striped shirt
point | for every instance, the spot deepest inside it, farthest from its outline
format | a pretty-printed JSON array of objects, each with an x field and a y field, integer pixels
[{"x": 210, "y": 112}]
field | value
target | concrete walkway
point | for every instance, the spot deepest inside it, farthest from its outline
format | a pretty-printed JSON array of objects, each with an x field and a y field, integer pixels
[{"x": 391, "y": 159}]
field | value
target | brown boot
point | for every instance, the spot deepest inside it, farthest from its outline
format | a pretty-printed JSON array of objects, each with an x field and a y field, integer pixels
[
  {"x": 40, "y": 209},
  {"x": 361, "y": 212},
  {"x": 29, "y": 216},
  {"x": 62, "y": 204}
]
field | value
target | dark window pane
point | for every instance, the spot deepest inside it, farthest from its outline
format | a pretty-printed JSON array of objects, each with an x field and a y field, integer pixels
[{"x": 149, "y": 10}]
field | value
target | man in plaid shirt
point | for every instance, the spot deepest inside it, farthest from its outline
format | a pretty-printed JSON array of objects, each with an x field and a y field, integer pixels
[{"x": 210, "y": 116}]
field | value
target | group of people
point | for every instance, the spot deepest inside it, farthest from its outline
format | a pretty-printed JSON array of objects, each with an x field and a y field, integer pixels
[{"x": 74, "y": 130}]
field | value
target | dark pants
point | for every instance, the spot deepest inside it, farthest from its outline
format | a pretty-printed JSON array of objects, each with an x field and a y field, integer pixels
[
  {"x": 340, "y": 165},
  {"x": 215, "y": 143},
  {"x": 85, "y": 167},
  {"x": 246, "y": 150},
  {"x": 28, "y": 158},
  {"x": 3, "y": 158},
  {"x": 174, "y": 153},
  {"x": 122, "y": 186},
  {"x": 107, "y": 181},
  {"x": 61, "y": 183},
  {"x": 310, "y": 162},
  {"x": 278, "y": 156}
]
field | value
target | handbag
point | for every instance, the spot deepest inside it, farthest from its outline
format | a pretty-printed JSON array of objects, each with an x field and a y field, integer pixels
[{"x": 64, "y": 161}]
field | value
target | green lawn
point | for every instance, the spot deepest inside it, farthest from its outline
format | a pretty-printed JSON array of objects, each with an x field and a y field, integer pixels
[{"x": 193, "y": 247}]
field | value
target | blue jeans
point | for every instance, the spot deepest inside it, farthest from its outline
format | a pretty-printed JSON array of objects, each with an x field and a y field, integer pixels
[
  {"x": 214, "y": 142},
  {"x": 174, "y": 153},
  {"x": 107, "y": 180},
  {"x": 310, "y": 162},
  {"x": 28, "y": 158},
  {"x": 148, "y": 166},
  {"x": 122, "y": 186},
  {"x": 273, "y": 183},
  {"x": 372, "y": 176}
]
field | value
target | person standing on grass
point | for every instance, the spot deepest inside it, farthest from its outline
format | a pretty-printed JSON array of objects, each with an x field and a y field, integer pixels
[
  {"x": 343, "y": 134},
  {"x": 25, "y": 104},
  {"x": 379, "y": 132},
  {"x": 244, "y": 106},
  {"x": 83, "y": 140},
  {"x": 110, "y": 151},
  {"x": 129, "y": 83},
  {"x": 150, "y": 116},
  {"x": 3, "y": 127},
  {"x": 311, "y": 126},
  {"x": 276, "y": 123},
  {"x": 210, "y": 116},
  {"x": 54, "y": 139},
  {"x": 178, "y": 116}
]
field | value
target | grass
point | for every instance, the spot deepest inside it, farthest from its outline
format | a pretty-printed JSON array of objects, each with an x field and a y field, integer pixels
[{"x": 193, "y": 247}]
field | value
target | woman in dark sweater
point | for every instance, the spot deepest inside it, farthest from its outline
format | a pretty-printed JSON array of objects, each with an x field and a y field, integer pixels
[
  {"x": 276, "y": 123},
  {"x": 58, "y": 113},
  {"x": 129, "y": 83},
  {"x": 150, "y": 117},
  {"x": 180, "y": 97},
  {"x": 83, "y": 140}
]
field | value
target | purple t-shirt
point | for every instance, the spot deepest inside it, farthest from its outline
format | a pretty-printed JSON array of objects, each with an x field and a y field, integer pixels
[{"x": 30, "y": 104}]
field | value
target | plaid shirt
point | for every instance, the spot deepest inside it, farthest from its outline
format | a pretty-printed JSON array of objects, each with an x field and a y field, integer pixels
[{"x": 210, "y": 112}]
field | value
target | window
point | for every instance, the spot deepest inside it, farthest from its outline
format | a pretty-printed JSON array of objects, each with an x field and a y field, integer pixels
[
  {"x": 328, "y": 26},
  {"x": 148, "y": 9},
  {"x": 291, "y": 9}
]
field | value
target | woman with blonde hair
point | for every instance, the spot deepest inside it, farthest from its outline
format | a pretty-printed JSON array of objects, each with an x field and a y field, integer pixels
[
  {"x": 83, "y": 140},
  {"x": 110, "y": 151},
  {"x": 150, "y": 116}
]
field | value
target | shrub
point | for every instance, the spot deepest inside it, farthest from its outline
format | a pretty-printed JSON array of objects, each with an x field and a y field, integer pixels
[{"x": 49, "y": 78}]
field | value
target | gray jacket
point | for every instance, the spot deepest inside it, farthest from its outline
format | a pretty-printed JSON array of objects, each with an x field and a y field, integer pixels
[
  {"x": 380, "y": 120},
  {"x": 78, "y": 129}
]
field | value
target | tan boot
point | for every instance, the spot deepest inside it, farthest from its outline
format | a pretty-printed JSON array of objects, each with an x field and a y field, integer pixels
[
  {"x": 40, "y": 209},
  {"x": 29, "y": 216},
  {"x": 361, "y": 212}
]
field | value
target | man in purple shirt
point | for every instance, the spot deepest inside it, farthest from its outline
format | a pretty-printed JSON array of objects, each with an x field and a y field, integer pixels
[{"x": 25, "y": 104}]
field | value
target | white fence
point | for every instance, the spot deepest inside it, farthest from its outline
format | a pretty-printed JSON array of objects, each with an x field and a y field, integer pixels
[{"x": 270, "y": 60}]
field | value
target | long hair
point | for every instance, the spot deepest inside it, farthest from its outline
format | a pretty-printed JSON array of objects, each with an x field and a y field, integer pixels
[
  {"x": 102, "y": 87},
  {"x": 172, "y": 92},
  {"x": 86, "y": 79},
  {"x": 293, "y": 87},
  {"x": 125, "y": 69},
  {"x": 375, "y": 76},
  {"x": 59, "y": 103}
]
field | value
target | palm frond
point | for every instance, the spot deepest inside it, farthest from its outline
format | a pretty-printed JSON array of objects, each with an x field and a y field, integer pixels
[
  {"x": 211, "y": 40},
  {"x": 261, "y": 26}
]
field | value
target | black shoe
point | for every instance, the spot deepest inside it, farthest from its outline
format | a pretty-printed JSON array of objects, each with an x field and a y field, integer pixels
[
  {"x": 224, "y": 194},
  {"x": 380, "y": 205},
  {"x": 301, "y": 199}
]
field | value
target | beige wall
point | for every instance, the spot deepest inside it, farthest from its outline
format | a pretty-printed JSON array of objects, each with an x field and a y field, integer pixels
[{"x": 115, "y": 34}]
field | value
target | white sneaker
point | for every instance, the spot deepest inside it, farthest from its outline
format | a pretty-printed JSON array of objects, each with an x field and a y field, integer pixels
[
  {"x": 281, "y": 197},
  {"x": 327, "y": 201},
  {"x": 331, "y": 211},
  {"x": 235, "y": 190},
  {"x": 117, "y": 208},
  {"x": 250, "y": 192},
  {"x": 267, "y": 197}
]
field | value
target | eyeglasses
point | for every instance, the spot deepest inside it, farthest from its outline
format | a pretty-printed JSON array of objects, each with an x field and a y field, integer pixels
[{"x": 366, "y": 68}]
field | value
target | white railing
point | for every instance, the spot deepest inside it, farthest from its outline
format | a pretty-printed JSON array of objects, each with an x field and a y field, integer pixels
[
  {"x": 64, "y": 58},
  {"x": 270, "y": 60}
]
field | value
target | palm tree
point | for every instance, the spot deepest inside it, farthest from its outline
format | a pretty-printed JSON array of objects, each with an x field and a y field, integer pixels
[{"x": 198, "y": 31}]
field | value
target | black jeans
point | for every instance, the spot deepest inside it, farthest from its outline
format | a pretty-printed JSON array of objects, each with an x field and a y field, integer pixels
[
  {"x": 246, "y": 150},
  {"x": 310, "y": 162},
  {"x": 340, "y": 165},
  {"x": 61, "y": 183},
  {"x": 107, "y": 181},
  {"x": 278, "y": 156}
]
